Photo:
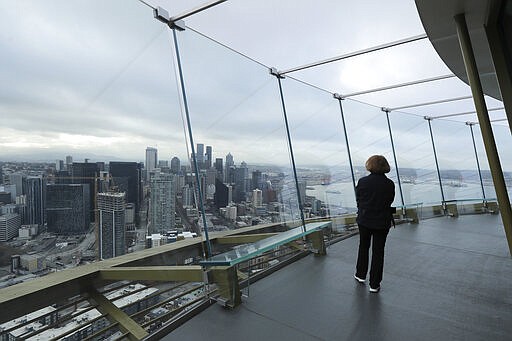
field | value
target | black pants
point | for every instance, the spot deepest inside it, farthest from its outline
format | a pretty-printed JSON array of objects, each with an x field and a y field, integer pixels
[{"x": 379, "y": 241}]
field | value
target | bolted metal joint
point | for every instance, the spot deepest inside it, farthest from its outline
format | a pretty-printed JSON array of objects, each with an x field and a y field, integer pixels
[
  {"x": 273, "y": 71},
  {"x": 338, "y": 96},
  {"x": 161, "y": 14},
  {"x": 428, "y": 118},
  {"x": 386, "y": 110}
]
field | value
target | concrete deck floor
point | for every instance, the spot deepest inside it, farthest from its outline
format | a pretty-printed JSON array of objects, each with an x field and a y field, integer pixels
[{"x": 444, "y": 279}]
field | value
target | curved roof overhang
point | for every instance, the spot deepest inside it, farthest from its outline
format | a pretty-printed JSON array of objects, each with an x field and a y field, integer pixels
[{"x": 437, "y": 17}]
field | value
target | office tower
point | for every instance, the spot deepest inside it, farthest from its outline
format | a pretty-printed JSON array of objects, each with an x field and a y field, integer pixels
[
  {"x": 211, "y": 175},
  {"x": 9, "y": 225},
  {"x": 257, "y": 198},
  {"x": 35, "y": 187},
  {"x": 1, "y": 174},
  {"x": 219, "y": 168},
  {"x": 208, "y": 157},
  {"x": 187, "y": 196},
  {"x": 17, "y": 180},
  {"x": 162, "y": 204},
  {"x": 221, "y": 197},
  {"x": 163, "y": 164},
  {"x": 111, "y": 225},
  {"x": 86, "y": 173},
  {"x": 126, "y": 176},
  {"x": 175, "y": 165},
  {"x": 69, "y": 162},
  {"x": 256, "y": 180},
  {"x": 200, "y": 155},
  {"x": 241, "y": 177},
  {"x": 229, "y": 169},
  {"x": 67, "y": 208},
  {"x": 59, "y": 165},
  {"x": 151, "y": 161}
]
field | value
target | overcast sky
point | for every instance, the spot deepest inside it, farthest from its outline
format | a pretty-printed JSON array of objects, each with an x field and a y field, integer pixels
[{"x": 96, "y": 79}]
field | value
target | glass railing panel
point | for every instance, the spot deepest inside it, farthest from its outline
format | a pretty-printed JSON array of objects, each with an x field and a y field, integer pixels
[
  {"x": 504, "y": 144},
  {"x": 416, "y": 162},
  {"x": 239, "y": 136},
  {"x": 457, "y": 162},
  {"x": 320, "y": 150},
  {"x": 368, "y": 134}
]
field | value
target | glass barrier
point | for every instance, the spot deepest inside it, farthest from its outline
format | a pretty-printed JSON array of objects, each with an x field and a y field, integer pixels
[
  {"x": 320, "y": 150},
  {"x": 416, "y": 162},
  {"x": 367, "y": 131},
  {"x": 456, "y": 157},
  {"x": 503, "y": 140},
  {"x": 239, "y": 136}
]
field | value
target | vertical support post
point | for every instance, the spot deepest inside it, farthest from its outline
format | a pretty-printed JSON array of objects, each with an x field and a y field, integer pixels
[
  {"x": 339, "y": 98},
  {"x": 470, "y": 124},
  {"x": 386, "y": 110},
  {"x": 429, "y": 119},
  {"x": 485, "y": 125},
  {"x": 274, "y": 72},
  {"x": 191, "y": 139}
]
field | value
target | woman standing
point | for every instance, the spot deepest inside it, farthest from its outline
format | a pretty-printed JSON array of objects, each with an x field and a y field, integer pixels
[{"x": 374, "y": 195}]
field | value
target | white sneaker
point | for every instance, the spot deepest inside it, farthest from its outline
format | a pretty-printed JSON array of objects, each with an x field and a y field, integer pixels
[
  {"x": 377, "y": 289},
  {"x": 360, "y": 280}
]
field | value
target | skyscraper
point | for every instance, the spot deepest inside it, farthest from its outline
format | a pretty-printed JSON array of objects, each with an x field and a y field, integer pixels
[
  {"x": 219, "y": 168},
  {"x": 200, "y": 155},
  {"x": 162, "y": 204},
  {"x": 9, "y": 226},
  {"x": 35, "y": 187},
  {"x": 86, "y": 173},
  {"x": 69, "y": 161},
  {"x": 151, "y": 161},
  {"x": 127, "y": 177},
  {"x": 208, "y": 157},
  {"x": 111, "y": 225},
  {"x": 175, "y": 165},
  {"x": 230, "y": 165},
  {"x": 67, "y": 208}
]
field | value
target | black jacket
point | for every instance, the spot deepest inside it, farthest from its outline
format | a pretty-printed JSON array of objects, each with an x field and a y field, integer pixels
[{"x": 374, "y": 195}]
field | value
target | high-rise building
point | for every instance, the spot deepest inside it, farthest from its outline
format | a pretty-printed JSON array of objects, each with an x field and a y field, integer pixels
[
  {"x": 69, "y": 162},
  {"x": 221, "y": 197},
  {"x": 111, "y": 225},
  {"x": 86, "y": 173},
  {"x": 67, "y": 208},
  {"x": 229, "y": 169},
  {"x": 242, "y": 180},
  {"x": 219, "y": 168},
  {"x": 59, "y": 165},
  {"x": 257, "y": 198},
  {"x": 17, "y": 180},
  {"x": 162, "y": 204},
  {"x": 175, "y": 165},
  {"x": 208, "y": 157},
  {"x": 200, "y": 155},
  {"x": 151, "y": 161},
  {"x": 126, "y": 176},
  {"x": 35, "y": 187},
  {"x": 256, "y": 181},
  {"x": 187, "y": 196},
  {"x": 9, "y": 226}
]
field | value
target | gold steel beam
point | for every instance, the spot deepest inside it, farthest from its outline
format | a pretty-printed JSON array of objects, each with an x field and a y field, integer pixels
[
  {"x": 125, "y": 322},
  {"x": 191, "y": 273},
  {"x": 244, "y": 239},
  {"x": 485, "y": 126}
]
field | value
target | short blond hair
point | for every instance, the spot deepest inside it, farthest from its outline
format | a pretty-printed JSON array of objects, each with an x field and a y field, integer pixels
[{"x": 377, "y": 164}]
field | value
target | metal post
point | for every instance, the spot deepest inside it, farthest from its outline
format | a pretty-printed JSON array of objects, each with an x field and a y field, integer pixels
[
  {"x": 191, "y": 138},
  {"x": 435, "y": 158},
  {"x": 339, "y": 98},
  {"x": 301, "y": 208},
  {"x": 485, "y": 126},
  {"x": 386, "y": 110},
  {"x": 470, "y": 124}
]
